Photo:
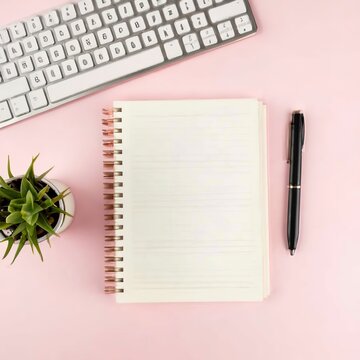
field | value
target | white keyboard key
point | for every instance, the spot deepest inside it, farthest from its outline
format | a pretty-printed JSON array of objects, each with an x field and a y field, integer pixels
[
  {"x": 73, "y": 47},
  {"x": 41, "y": 59},
  {"x": 117, "y": 50},
  {"x": 89, "y": 42},
  {"x": 68, "y": 12},
  {"x": 137, "y": 24},
  {"x": 78, "y": 27},
  {"x": 204, "y": 3},
  {"x": 25, "y": 65},
  {"x": 13, "y": 88},
  {"x": 30, "y": 44},
  {"x": 133, "y": 44},
  {"x": 191, "y": 43},
  {"x": 226, "y": 30},
  {"x": 170, "y": 12},
  {"x": 38, "y": 99},
  {"x": 166, "y": 32},
  {"x": 187, "y": 6},
  {"x": 3, "y": 58},
  {"x": 5, "y": 113},
  {"x": 61, "y": 33},
  {"x": 208, "y": 36},
  {"x": 243, "y": 24},
  {"x": 46, "y": 39},
  {"x": 109, "y": 16},
  {"x": 173, "y": 49},
  {"x": 85, "y": 62},
  {"x": 69, "y": 67},
  {"x": 34, "y": 25},
  {"x": 149, "y": 38},
  {"x": 199, "y": 20},
  {"x": 93, "y": 22},
  {"x": 51, "y": 19},
  {"x": 182, "y": 26},
  {"x": 57, "y": 53},
  {"x": 14, "y": 50},
  {"x": 105, "y": 36},
  {"x": 121, "y": 30},
  {"x": 125, "y": 10},
  {"x": 103, "y": 3},
  {"x": 86, "y": 7},
  {"x": 4, "y": 37},
  {"x": 9, "y": 71},
  {"x": 37, "y": 79},
  {"x": 142, "y": 5},
  {"x": 104, "y": 74},
  {"x": 227, "y": 11},
  {"x": 101, "y": 56},
  {"x": 53, "y": 73},
  {"x": 154, "y": 18},
  {"x": 19, "y": 105},
  {"x": 17, "y": 30}
]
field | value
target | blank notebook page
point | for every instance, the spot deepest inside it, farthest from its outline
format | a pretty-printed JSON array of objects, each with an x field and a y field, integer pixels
[{"x": 194, "y": 201}]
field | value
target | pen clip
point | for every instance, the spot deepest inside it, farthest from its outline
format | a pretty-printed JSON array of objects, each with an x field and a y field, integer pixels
[
  {"x": 302, "y": 131},
  {"x": 289, "y": 143}
]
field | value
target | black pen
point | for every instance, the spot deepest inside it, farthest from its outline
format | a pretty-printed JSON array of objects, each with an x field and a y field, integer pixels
[{"x": 297, "y": 136}]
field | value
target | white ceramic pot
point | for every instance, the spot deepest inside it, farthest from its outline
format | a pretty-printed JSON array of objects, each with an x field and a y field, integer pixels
[{"x": 67, "y": 204}]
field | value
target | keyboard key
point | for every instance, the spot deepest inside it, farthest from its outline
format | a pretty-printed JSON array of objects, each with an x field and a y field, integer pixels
[
  {"x": 68, "y": 12},
  {"x": 187, "y": 6},
  {"x": 121, "y": 30},
  {"x": 126, "y": 10},
  {"x": 109, "y": 16},
  {"x": 18, "y": 31},
  {"x": 93, "y": 22},
  {"x": 5, "y": 113},
  {"x": 37, "y": 79},
  {"x": 105, "y": 36},
  {"x": 89, "y": 42},
  {"x": 101, "y": 56},
  {"x": 14, "y": 50},
  {"x": 4, "y": 37},
  {"x": 30, "y": 44},
  {"x": 117, "y": 50},
  {"x": 41, "y": 59},
  {"x": 154, "y": 18},
  {"x": 13, "y": 88},
  {"x": 191, "y": 43},
  {"x": 25, "y": 65},
  {"x": 182, "y": 26},
  {"x": 57, "y": 53},
  {"x": 9, "y": 71},
  {"x": 149, "y": 38},
  {"x": 137, "y": 24},
  {"x": 226, "y": 30},
  {"x": 53, "y": 73},
  {"x": 38, "y": 99},
  {"x": 46, "y": 39},
  {"x": 85, "y": 62},
  {"x": 3, "y": 58},
  {"x": 20, "y": 105},
  {"x": 69, "y": 67},
  {"x": 61, "y": 33},
  {"x": 85, "y": 7},
  {"x": 34, "y": 25},
  {"x": 227, "y": 11},
  {"x": 166, "y": 32},
  {"x": 170, "y": 12},
  {"x": 142, "y": 5},
  {"x": 133, "y": 44},
  {"x": 173, "y": 49},
  {"x": 204, "y": 3},
  {"x": 78, "y": 27},
  {"x": 51, "y": 19},
  {"x": 103, "y": 3},
  {"x": 104, "y": 74},
  {"x": 73, "y": 47},
  {"x": 199, "y": 20},
  {"x": 208, "y": 36}
]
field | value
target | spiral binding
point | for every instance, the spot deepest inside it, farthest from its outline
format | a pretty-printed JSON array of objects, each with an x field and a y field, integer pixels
[{"x": 113, "y": 278}]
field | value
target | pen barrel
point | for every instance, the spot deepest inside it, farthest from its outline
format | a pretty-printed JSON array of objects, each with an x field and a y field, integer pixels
[
  {"x": 293, "y": 219},
  {"x": 295, "y": 154}
]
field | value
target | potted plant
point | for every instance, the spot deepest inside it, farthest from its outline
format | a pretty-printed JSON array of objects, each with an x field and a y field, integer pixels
[{"x": 32, "y": 208}]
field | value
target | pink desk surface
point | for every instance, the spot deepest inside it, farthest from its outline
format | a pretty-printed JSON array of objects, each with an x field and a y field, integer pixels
[{"x": 306, "y": 55}]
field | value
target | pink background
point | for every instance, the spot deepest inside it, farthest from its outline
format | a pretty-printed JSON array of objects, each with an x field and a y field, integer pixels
[{"x": 305, "y": 55}]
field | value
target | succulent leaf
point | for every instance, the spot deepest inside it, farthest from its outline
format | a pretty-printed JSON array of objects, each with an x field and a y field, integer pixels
[{"x": 9, "y": 168}]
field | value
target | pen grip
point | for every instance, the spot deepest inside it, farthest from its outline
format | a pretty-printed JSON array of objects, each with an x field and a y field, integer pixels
[{"x": 293, "y": 220}]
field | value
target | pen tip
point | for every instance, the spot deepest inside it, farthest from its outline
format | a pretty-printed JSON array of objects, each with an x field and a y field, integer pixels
[{"x": 292, "y": 252}]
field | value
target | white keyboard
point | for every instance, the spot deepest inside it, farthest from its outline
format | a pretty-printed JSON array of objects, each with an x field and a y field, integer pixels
[{"x": 60, "y": 55}]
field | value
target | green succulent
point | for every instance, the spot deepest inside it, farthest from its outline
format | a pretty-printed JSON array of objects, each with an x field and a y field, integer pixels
[{"x": 28, "y": 210}]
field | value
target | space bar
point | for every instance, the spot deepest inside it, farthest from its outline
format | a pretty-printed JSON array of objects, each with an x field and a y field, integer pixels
[{"x": 105, "y": 74}]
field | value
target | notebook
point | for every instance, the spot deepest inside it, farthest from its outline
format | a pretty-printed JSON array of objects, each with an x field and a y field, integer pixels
[{"x": 186, "y": 201}]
